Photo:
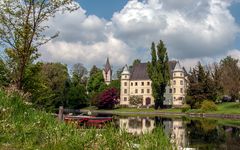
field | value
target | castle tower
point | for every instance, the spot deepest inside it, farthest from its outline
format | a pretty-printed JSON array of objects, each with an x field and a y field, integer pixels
[
  {"x": 107, "y": 73},
  {"x": 125, "y": 86},
  {"x": 178, "y": 85}
]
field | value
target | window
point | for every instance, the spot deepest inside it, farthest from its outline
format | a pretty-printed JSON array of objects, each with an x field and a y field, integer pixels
[
  {"x": 170, "y": 90},
  {"x": 125, "y": 98},
  {"x": 131, "y": 83},
  {"x": 174, "y": 74},
  {"x": 174, "y": 90},
  {"x": 181, "y": 82},
  {"x": 136, "y": 91},
  {"x": 148, "y": 90},
  {"x": 142, "y": 83},
  {"x": 125, "y": 91},
  {"x": 174, "y": 82},
  {"x": 174, "y": 97},
  {"x": 148, "y": 83},
  {"x": 125, "y": 77},
  {"x": 135, "y": 83},
  {"x": 181, "y": 90},
  {"x": 180, "y": 74},
  {"x": 142, "y": 91},
  {"x": 125, "y": 83}
]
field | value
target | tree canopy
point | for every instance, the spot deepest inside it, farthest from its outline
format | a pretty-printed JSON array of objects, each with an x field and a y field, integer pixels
[{"x": 158, "y": 71}]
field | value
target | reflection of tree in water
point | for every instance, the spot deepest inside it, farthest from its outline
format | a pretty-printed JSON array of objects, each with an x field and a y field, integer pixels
[
  {"x": 135, "y": 123},
  {"x": 205, "y": 131}
]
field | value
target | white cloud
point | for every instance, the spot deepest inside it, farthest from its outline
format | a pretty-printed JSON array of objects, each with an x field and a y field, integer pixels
[
  {"x": 235, "y": 53},
  {"x": 190, "y": 28},
  {"x": 193, "y": 30},
  {"x": 96, "y": 53}
]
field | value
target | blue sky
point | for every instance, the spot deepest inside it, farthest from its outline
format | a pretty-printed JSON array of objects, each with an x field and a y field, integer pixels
[{"x": 192, "y": 30}]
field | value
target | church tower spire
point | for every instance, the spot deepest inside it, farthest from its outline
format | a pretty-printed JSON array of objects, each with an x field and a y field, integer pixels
[{"x": 107, "y": 72}]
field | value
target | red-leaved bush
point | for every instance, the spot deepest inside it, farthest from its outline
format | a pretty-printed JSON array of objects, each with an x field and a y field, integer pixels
[{"x": 108, "y": 99}]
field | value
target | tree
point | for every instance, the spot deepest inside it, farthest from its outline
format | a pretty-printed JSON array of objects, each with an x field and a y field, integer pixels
[
  {"x": 108, "y": 99},
  {"x": 77, "y": 96},
  {"x": 201, "y": 87},
  {"x": 96, "y": 81},
  {"x": 77, "y": 93},
  {"x": 136, "y": 100},
  {"x": 158, "y": 71},
  {"x": 55, "y": 76},
  {"x": 79, "y": 73},
  {"x": 22, "y": 29},
  {"x": 230, "y": 79}
]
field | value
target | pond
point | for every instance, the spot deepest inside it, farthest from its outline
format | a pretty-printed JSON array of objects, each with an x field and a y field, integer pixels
[{"x": 195, "y": 133}]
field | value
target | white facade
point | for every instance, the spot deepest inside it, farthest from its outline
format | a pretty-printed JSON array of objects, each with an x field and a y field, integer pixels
[{"x": 175, "y": 92}]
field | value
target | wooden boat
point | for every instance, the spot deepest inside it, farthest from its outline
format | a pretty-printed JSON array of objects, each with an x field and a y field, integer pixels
[{"x": 91, "y": 121}]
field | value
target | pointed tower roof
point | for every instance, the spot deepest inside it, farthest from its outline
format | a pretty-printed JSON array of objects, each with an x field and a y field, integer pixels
[
  {"x": 125, "y": 70},
  {"x": 107, "y": 66},
  {"x": 178, "y": 67}
]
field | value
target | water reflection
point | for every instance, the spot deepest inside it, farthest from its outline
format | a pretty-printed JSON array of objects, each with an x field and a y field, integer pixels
[
  {"x": 137, "y": 125},
  {"x": 187, "y": 133}
]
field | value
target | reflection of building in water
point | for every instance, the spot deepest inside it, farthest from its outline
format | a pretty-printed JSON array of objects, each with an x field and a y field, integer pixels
[
  {"x": 179, "y": 134},
  {"x": 137, "y": 125}
]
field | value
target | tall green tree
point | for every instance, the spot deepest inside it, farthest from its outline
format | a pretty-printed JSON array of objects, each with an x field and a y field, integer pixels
[
  {"x": 23, "y": 29},
  {"x": 201, "y": 87},
  {"x": 230, "y": 79},
  {"x": 96, "y": 81},
  {"x": 55, "y": 76},
  {"x": 77, "y": 92},
  {"x": 158, "y": 71}
]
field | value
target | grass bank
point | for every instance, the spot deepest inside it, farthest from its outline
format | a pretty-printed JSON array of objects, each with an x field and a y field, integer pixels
[
  {"x": 223, "y": 108},
  {"x": 23, "y": 127}
]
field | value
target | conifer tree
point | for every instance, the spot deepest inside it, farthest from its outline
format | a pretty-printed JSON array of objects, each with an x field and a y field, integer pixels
[{"x": 158, "y": 71}]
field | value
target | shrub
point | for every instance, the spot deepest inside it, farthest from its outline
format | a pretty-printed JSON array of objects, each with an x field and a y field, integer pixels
[
  {"x": 186, "y": 107},
  {"x": 136, "y": 100},
  {"x": 208, "y": 106},
  {"x": 108, "y": 99}
]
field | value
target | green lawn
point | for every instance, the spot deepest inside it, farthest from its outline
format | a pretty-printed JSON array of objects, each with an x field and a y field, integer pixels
[{"x": 224, "y": 108}]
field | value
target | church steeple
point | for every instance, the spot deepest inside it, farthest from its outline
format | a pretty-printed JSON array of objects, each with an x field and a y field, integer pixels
[
  {"x": 107, "y": 66},
  {"x": 107, "y": 72}
]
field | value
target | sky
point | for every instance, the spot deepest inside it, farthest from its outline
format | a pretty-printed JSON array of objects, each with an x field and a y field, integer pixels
[{"x": 123, "y": 30}]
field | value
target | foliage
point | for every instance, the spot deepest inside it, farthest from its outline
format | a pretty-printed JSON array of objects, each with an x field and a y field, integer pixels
[
  {"x": 136, "y": 100},
  {"x": 230, "y": 79},
  {"x": 208, "y": 106},
  {"x": 95, "y": 84},
  {"x": 76, "y": 90},
  {"x": 79, "y": 73},
  {"x": 23, "y": 127},
  {"x": 108, "y": 99},
  {"x": 186, "y": 107},
  {"x": 201, "y": 86},
  {"x": 22, "y": 29},
  {"x": 77, "y": 97},
  {"x": 4, "y": 74},
  {"x": 158, "y": 71},
  {"x": 115, "y": 84}
]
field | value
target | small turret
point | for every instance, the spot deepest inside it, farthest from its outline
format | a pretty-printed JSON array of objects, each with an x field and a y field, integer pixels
[{"x": 125, "y": 86}]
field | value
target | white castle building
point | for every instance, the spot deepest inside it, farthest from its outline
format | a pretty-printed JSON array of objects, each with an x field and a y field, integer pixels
[{"x": 136, "y": 82}]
